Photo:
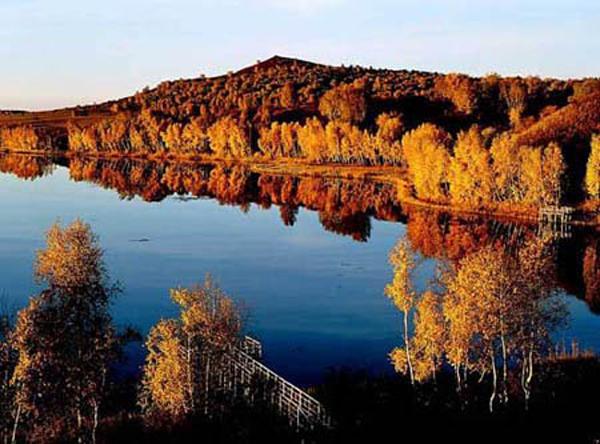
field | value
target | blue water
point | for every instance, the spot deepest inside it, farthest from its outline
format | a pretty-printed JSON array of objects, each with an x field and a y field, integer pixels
[{"x": 315, "y": 298}]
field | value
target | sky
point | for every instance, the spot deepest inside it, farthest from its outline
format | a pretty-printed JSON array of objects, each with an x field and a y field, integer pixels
[{"x": 57, "y": 53}]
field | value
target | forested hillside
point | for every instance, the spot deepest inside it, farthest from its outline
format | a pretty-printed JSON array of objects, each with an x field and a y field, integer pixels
[{"x": 461, "y": 139}]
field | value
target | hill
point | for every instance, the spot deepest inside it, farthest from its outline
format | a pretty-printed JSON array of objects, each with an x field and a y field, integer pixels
[
  {"x": 467, "y": 140},
  {"x": 287, "y": 89}
]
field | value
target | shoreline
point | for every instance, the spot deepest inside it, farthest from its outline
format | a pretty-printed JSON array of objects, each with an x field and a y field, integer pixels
[{"x": 393, "y": 175}]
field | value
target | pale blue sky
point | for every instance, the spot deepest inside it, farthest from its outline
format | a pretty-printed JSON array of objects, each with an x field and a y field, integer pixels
[{"x": 63, "y": 52}]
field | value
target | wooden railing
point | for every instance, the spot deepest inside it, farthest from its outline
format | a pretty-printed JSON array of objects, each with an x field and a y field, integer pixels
[
  {"x": 556, "y": 220},
  {"x": 251, "y": 347},
  {"x": 299, "y": 407}
]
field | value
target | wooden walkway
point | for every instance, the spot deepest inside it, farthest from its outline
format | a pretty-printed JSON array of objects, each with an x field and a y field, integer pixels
[{"x": 299, "y": 407}]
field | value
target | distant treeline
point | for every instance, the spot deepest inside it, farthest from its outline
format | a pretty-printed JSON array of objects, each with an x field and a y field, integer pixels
[{"x": 518, "y": 131}]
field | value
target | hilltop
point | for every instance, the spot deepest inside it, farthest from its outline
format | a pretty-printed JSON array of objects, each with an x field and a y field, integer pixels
[{"x": 288, "y": 89}]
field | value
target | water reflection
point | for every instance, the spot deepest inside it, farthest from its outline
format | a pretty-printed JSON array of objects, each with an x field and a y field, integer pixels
[{"x": 346, "y": 207}]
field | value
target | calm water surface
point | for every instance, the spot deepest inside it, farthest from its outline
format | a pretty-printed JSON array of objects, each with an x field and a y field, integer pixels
[{"x": 315, "y": 297}]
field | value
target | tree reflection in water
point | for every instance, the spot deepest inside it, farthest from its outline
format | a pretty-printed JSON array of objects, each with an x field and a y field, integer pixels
[
  {"x": 489, "y": 317},
  {"x": 345, "y": 207}
]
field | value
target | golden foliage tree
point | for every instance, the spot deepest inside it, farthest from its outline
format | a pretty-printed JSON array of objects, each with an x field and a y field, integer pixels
[
  {"x": 471, "y": 169},
  {"x": 229, "y": 140},
  {"x": 64, "y": 338},
  {"x": 429, "y": 337},
  {"x": 346, "y": 103},
  {"x": 389, "y": 131},
  {"x": 188, "y": 356},
  {"x": 592, "y": 175},
  {"x": 506, "y": 161},
  {"x": 426, "y": 152},
  {"x": 460, "y": 89},
  {"x": 553, "y": 172},
  {"x": 402, "y": 294}
]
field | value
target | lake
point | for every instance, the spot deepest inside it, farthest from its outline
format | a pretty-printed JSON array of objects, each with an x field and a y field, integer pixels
[{"x": 306, "y": 256}]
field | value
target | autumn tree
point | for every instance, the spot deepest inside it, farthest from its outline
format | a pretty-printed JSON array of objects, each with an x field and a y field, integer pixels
[
  {"x": 531, "y": 179},
  {"x": 228, "y": 139},
  {"x": 402, "y": 294},
  {"x": 64, "y": 339},
  {"x": 188, "y": 356},
  {"x": 23, "y": 139},
  {"x": 592, "y": 176},
  {"x": 459, "y": 89},
  {"x": 500, "y": 309},
  {"x": 540, "y": 310},
  {"x": 514, "y": 93},
  {"x": 389, "y": 131},
  {"x": 346, "y": 103},
  {"x": 470, "y": 173},
  {"x": 287, "y": 96},
  {"x": 428, "y": 159},
  {"x": 312, "y": 140},
  {"x": 429, "y": 336},
  {"x": 506, "y": 161},
  {"x": 553, "y": 172}
]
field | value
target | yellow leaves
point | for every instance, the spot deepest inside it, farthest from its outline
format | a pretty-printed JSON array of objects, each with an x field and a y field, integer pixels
[
  {"x": 346, "y": 103},
  {"x": 460, "y": 90},
  {"x": 399, "y": 360},
  {"x": 165, "y": 376},
  {"x": 173, "y": 137},
  {"x": 531, "y": 175},
  {"x": 426, "y": 152},
  {"x": 22, "y": 138},
  {"x": 185, "y": 354},
  {"x": 552, "y": 173},
  {"x": 400, "y": 290},
  {"x": 506, "y": 167},
  {"x": 64, "y": 340},
  {"x": 470, "y": 172},
  {"x": 228, "y": 139},
  {"x": 280, "y": 140},
  {"x": 493, "y": 303},
  {"x": 475, "y": 176},
  {"x": 311, "y": 137},
  {"x": 72, "y": 258},
  {"x": 208, "y": 312},
  {"x": 592, "y": 176}
]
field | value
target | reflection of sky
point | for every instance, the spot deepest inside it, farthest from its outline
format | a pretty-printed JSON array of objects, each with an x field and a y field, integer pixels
[{"x": 316, "y": 298}]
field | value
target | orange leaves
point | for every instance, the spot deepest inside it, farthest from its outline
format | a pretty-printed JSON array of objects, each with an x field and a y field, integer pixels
[
  {"x": 164, "y": 380},
  {"x": 64, "y": 339},
  {"x": 72, "y": 257},
  {"x": 345, "y": 103},
  {"x": 187, "y": 356},
  {"x": 23, "y": 139},
  {"x": 426, "y": 152},
  {"x": 280, "y": 140},
  {"x": 460, "y": 89},
  {"x": 470, "y": 174},
  {"x": 592, "y": 176},
  {"x": 228, "y": 139},
  {"x": 311, "y": 138}
]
